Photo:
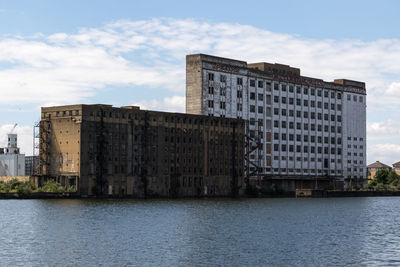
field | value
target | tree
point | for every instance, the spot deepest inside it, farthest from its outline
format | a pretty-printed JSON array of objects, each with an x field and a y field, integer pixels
[
  {"x": 381, "y": 176},
  {"x": 393, "y": 178}
]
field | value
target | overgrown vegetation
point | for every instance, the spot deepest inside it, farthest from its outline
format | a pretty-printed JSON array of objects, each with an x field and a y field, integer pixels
[
  {"x": 26, "y": 188},
  {"x": 385, "y": 180}
]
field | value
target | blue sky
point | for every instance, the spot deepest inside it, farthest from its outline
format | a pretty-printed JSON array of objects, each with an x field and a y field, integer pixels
[{"x": 131, "y": 52}]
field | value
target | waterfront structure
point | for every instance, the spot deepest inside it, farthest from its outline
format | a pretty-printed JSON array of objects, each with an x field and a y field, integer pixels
[
  {"x": 306, "y": 133},
  {"x": 12, "y": 163},
  {"x": 104, "y": 150},
  {"x": 376, "y": 166},
  {"x": 396, "y": 167}
]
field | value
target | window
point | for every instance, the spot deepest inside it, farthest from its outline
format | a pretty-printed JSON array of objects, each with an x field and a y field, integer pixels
[
  {"x": 291, "y": 124},
  {"x": 239, "y": 81},
  {"x": 298, "y": 89},
  {"x": 260, "y": 97},
  {"x": 211, "y": 76},
  {"x": 298, "y": 101},
  {"x": 239, "y": 94},
  {"x": 348, "y": 97},
  {"x": 222, "y": 105},
  {"x": 276, "y": 99},
  {"x": 319, "y": 104},
  {"x": 291, "y": 88},
  {"x": 253, "y": 96},
  {"x": 260, "y": 110},
  {"x": 276, "y": 111},
  {"x": 222, "y": 91},
  {"x": 283, "y": 111},
  {"x": 306, "y": 126},
  {"x": 326, "y": 94},
  {"x": 276, "y": 147},
  {"x": 360, "y": 99},
  {"x": 260, "y": 84},
  {"x": 276, "y": 124},
  {"x": 283, "y": 124},
  {"x": 291, "y": 100},
  {"x": 291, "y": 113},
  {"x": 283, "y": 100},
  {"x": 252, "y": 83},
  {"x": 276, "y": 86},
  {"x": 268, "y": 99},
  {"x": 305, "y": 102},
  {"x": 298, "y": 113},
  {"x": 239, "y": 107},
  {"x": 252, "y": 108},
  {"x": 305, "y": 91},
  {"x": 211, "y": 90},
  {"x": 332, "y": 94},
  {"x": 339, "y": 96},
  {"x": 354, "y": 98},
  {"x": 332, "y": 106},
  {"x": 339, "y": 107},
  {"x": 319, "y": 92},
  {"x": 312, "y": 91},
  {"x": 283, "y": 87},
  {"x": 298, "y": 138},
  {"x": 210, "y": 103},
  {"x": 222, "y": 78}
]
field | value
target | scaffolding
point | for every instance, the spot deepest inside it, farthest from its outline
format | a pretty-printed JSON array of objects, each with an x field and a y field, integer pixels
[{"x": 254, "y": 147}]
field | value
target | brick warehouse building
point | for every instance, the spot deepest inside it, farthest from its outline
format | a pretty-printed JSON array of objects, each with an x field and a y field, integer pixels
[
  {"x": 308, "y": 133},
  {"x": 126, "y": 151}
]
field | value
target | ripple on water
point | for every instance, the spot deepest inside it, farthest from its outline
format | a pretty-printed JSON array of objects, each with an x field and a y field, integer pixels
[{"x": 248, "y": 232}]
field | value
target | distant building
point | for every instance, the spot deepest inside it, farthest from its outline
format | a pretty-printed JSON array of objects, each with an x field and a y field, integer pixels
[
  {"x": 396, "y": 167},
  {"x": 376, "y": 166},
  {"x": 12, "y": 163},
  {"x": 312, "y": 133},
  {"x": 126, "y": 151},
  {"x": 31, "y": 165}
]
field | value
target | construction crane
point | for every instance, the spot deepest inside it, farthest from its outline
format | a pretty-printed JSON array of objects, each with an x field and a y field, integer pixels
[{"x": 13, "y": 128}]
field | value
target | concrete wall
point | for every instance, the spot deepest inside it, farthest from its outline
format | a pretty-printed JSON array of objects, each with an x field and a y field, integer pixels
[{"x": 12, "y": 165}]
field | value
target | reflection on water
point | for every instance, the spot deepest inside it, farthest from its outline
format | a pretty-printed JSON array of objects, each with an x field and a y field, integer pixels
[{"x": 223, "y": 232}]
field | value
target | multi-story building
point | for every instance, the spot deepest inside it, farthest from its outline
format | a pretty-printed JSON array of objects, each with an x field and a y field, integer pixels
[
  {"x": 396, "y": 167},
  {"x": 376, "y": 166},
  {"x": 31, "y": 165},
  {"x": 12, "y": 163},
  {"x": 126, "y": 151},
  {"x": 308, "y": 133}
]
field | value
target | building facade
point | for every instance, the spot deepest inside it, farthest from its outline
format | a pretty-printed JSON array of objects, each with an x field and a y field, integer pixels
[
  {"x": 308, "y": 133},
  {"x": 376, "y": 166},
  {"x": 31, "y": 165},
  {"x": 103, "y": 150},
  {"x": 12, "y": 163},
  {"x": 396, "y": 167}
]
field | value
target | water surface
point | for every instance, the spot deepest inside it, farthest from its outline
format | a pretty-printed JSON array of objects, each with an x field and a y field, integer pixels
[{"x": 213, "y": 232}]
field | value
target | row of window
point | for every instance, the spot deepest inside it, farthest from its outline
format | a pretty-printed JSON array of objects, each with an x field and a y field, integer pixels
[
  {"x": 313, "y": 138},
  {"x": 305, "y": 149},
  {"x": 290, "y": 88},
  {"x": 285, "y": 125}
]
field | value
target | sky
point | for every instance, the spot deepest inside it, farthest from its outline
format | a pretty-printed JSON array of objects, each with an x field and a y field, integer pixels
[{"x": 133, "y": 53}]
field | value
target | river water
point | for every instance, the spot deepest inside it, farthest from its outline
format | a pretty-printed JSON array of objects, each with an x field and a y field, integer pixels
[{"x": 210, "y": 232}]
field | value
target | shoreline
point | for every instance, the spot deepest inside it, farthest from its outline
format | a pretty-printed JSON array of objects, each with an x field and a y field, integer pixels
[{"x": 299, "y": 194}]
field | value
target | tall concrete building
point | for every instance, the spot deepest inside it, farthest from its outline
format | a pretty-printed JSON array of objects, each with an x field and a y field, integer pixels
[
  {"x": 308, "y": 133},
  {"x": 100, "y": 149},
  {"x": 12, "y": 163}
]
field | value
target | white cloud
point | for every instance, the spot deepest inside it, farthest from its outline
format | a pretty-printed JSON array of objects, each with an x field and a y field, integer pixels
[
  {"x": 171, "y": 104},
  {"x": 384, "y": 129},
  {"x": 152, "y": 53},
  {"x": 386, "y": 153},
  {"x": 25, "y": 137}
]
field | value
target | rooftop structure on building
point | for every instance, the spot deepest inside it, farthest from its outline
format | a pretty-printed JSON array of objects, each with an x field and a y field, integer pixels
[
  {"x": 104, "y": 150},
  {"x": 12, "y": 163},
  {"x": 378, "y": 165},
  {"x": 308, "y": 133}
]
